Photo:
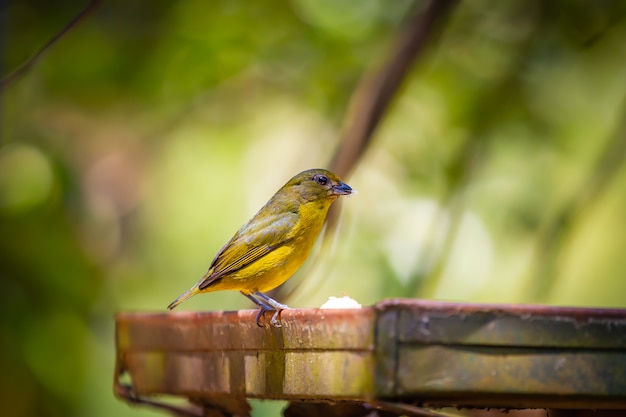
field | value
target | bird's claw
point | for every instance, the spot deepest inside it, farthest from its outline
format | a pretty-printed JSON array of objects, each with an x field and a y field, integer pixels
[
  {"x": 274, "y": 321},
  {"x": 258, "y": 317}
]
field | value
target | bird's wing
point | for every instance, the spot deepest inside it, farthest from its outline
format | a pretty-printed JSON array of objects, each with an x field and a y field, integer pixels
[{"x": 253, "y": 241}]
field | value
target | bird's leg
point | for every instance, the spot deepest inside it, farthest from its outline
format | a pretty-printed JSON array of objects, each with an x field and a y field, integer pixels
[
  {"x": 278, "y": 307},
  {"x": 263, "y": 308},
  {"x": 271, "y": 302}
]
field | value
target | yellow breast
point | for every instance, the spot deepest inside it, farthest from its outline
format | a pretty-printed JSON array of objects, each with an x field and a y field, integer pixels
[{"x": 278, "y": 266}]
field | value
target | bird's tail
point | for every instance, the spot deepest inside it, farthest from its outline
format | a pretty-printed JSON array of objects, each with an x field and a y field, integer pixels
[{"x": 193, "y": 291}]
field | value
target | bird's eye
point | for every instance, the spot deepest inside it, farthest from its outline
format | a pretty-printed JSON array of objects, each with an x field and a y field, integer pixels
[{"x": 321, "y": 179}]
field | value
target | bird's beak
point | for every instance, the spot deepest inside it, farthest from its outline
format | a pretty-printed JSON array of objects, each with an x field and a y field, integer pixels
[{"x": 341, "y": 189}]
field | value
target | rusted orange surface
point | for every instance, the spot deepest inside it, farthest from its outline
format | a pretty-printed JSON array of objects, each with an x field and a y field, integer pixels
[
  {"x": 316, "y": 353},
  {"x": 433, "y": 353}
]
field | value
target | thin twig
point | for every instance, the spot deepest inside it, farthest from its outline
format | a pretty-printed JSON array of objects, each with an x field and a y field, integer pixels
[
  {"x": 26, "y": 66},
  {"x": 405, "y": 409}
]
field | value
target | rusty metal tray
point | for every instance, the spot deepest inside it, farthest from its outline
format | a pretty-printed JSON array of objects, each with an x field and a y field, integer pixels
[{"x": 411, "y": 351}]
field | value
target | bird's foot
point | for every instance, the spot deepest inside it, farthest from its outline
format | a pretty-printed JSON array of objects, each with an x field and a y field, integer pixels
[
  {"x": 262, "y": 310},
  {"x": 276, "y": 318},
  {"x": 266, "y": 303},
  {"x": 274, "y": 321}
]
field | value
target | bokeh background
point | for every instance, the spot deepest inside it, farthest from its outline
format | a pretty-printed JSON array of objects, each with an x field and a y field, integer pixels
[{"x": 143, "y": 139}]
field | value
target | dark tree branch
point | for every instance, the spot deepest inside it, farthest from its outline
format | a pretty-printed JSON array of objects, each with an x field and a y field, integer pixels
[
  {"x": 373, "y": 97},
  {"x": 375, "y": 92}
]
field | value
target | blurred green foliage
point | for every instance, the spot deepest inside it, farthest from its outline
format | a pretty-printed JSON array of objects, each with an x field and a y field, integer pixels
[{"x": 151, "y": 132}]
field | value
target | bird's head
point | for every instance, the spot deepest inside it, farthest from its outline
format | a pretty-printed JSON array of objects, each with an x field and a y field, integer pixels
[{"x": 318, "y": 184}]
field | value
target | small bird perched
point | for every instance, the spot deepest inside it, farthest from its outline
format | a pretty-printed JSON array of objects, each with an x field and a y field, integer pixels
[{"x": 271, "y": 247}]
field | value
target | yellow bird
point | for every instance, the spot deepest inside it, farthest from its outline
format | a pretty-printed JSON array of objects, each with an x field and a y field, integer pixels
[{"x": 271, "y": 247}]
